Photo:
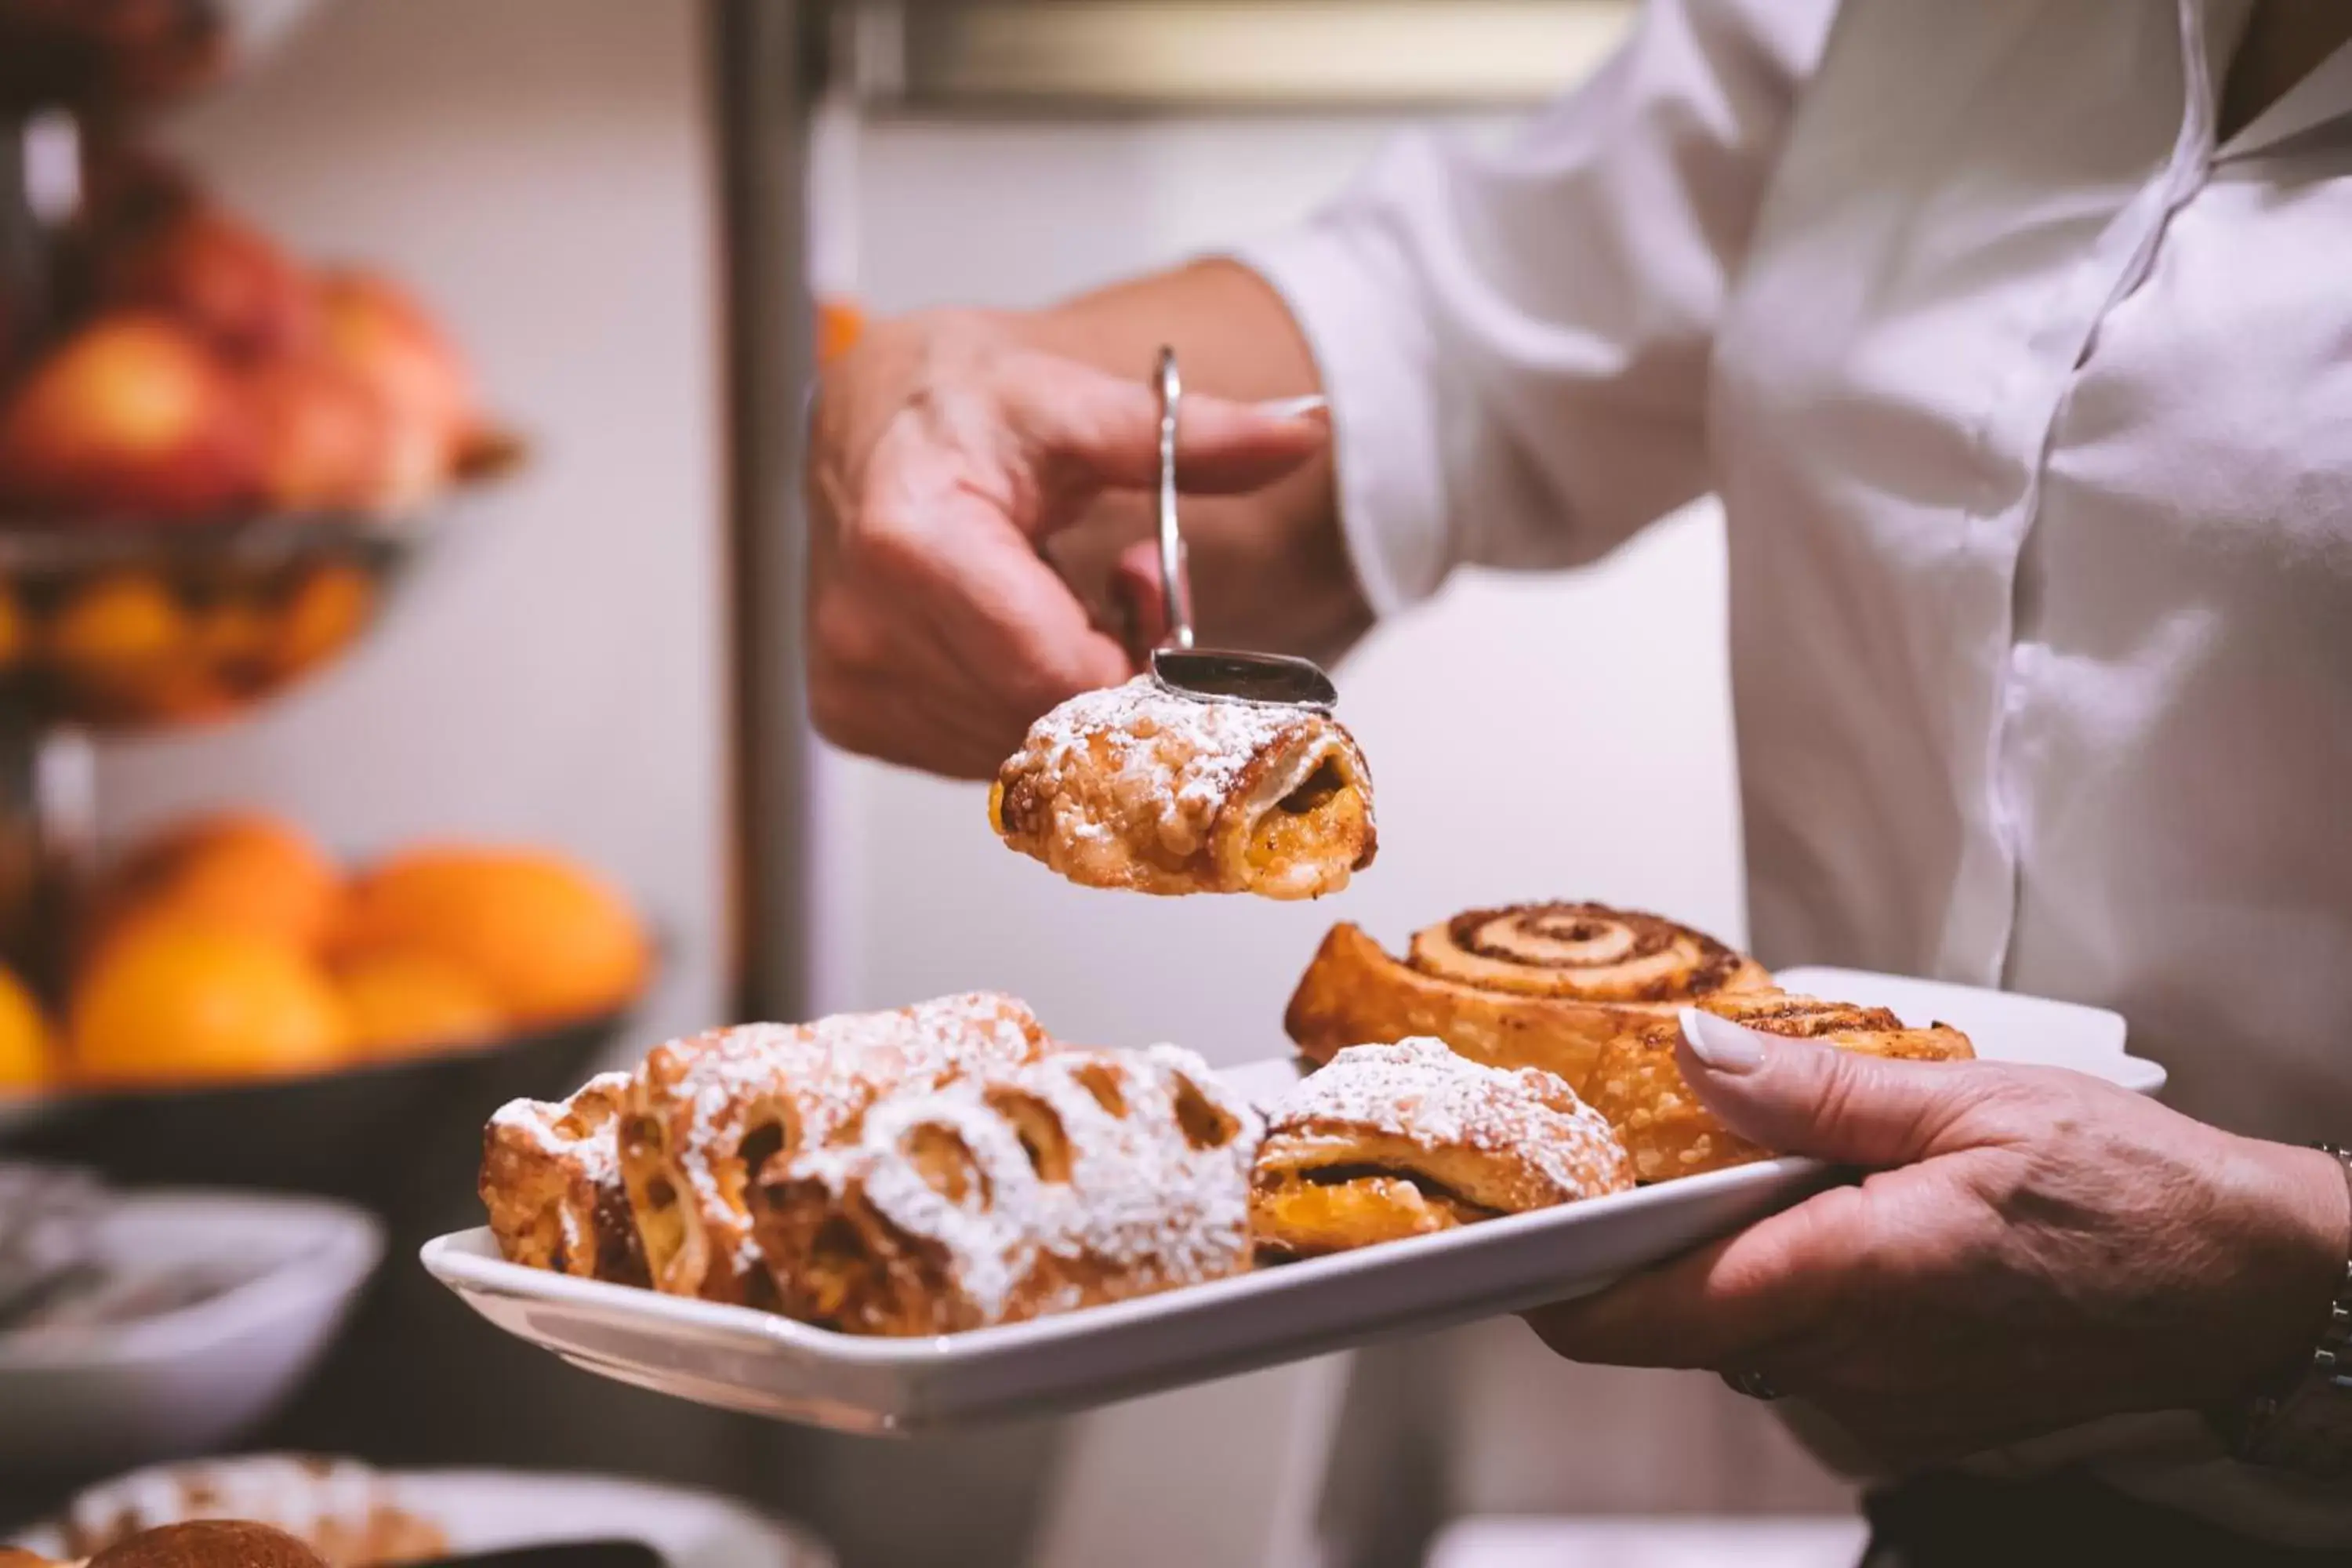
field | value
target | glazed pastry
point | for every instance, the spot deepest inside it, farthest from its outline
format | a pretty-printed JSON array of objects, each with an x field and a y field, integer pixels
[
  {"x": 1539, "y": 985},
  {"x": 341, "y": 1510},
  {"x": 1082, "y": 1178},
  {"x": 1138, "y": 787},
  {"x": 706, "y": 1112},
  {"x": 210, "y": 1543},
  {"x": 1391, "y": 1141},
  {"x": 1639, "y": 1086},
  {"x": 551, "y": 1182}
]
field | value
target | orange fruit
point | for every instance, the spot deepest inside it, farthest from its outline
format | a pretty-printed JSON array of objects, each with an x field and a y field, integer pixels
[
  {"x": 124, "y": 618},
  {"x": 327, "y": 608},
  {"x": 550, "y": 940},
  {"x": 26, "y": 1061},
  {"x": 404, "y": 1002},
  {"x": 236, "y": 871},
  {"x": 16, "y": 628},
  {"x": 178, "y": 1002}
]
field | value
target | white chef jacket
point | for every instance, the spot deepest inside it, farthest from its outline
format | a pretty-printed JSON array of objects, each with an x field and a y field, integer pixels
[{"x": 2029, "y": 407}]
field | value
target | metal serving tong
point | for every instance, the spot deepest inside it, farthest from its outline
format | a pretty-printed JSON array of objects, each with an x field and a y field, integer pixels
[{"x": 1215, "y": 675}]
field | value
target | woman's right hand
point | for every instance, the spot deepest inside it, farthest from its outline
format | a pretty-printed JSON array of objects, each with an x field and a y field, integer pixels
[{"x": 944, "y": 450}]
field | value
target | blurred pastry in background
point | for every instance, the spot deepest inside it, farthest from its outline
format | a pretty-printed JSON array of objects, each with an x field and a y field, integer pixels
[
  {"x": 1138, "y": 787},
  {"x": 1541, "y": 986},
  {"x": 1408, "y": 1138},
  {"x": 345, "y": 1512},
  {"x": 209, "y": 1544},
  {"x": 1639, "y": 1086},
  {"x": 1081, "y": 1177},
  {"x": 708, "y": 1113}
]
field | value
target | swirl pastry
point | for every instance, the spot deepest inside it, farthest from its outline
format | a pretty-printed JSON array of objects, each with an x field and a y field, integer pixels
[
  {"x": 1082, "y": 1178},
  {"x": 704, "y": 1113},
  {"x": 1391, "y": 1141},
  {"x": 1539, "y": 985},
  {"x": 1639, "y": 1086},
  {"x": 1138, "y": 787},
  {"x": 552, "y": 1181}
]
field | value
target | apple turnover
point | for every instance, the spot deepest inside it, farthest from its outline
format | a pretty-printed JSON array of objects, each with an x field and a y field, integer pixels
[
  {"x": 704, "y": 1113},
  {"x": 1541, "y": 986},
  {"x": 1391, "y": 1141},
  {"x": 1081, "y": 1177},
  {"x": 551, "y": 1182},
  {"x": 1638, "y": 1085},
  {"x": 1141, "y": 788}
]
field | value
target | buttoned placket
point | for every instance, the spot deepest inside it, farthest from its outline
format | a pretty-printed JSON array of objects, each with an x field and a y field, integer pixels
[{"x": 1981, "y": 920}]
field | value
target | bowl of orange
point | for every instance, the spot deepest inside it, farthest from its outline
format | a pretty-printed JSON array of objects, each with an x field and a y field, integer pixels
[
  {"x": 241, "y": 1010},
  {"x": 216, "y": 462}
]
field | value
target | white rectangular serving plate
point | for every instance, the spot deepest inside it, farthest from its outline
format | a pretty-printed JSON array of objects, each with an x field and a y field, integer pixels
[{"x": 739, "y": 1359}]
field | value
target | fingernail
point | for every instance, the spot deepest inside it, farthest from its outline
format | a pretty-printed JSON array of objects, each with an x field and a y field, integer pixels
[
  {"x": 1296, "y": 407},
  {"x": 1720, "y": 1044}
]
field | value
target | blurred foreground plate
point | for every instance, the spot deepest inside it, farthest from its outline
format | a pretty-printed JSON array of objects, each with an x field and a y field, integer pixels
[{"x": 739, "y": 1359}]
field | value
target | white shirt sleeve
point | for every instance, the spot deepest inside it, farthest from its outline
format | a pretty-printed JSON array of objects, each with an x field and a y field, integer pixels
[{"x": 1516, "y": 342}]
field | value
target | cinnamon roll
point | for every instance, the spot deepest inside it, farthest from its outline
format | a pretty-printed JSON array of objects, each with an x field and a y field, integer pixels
[
  {"x": 1639, "y": 1086},
  {"x": 1081, "y": 1177},
  {"x": 1141, "y": 788},
  {"x": 551, "y": 1182},
  {"x": 1539, "y": 985},
  {"x": 1390, "y": 1141},
  {"x": 707, "y": 1112}
]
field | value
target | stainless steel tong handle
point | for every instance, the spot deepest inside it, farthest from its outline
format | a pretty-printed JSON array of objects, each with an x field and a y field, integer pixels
[{"x": 1175, "y": 584}]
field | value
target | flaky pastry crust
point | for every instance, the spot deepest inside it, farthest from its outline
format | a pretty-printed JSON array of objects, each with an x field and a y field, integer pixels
[
  {"x": 1138, "y": 788},
  {"x": 1541, "y": 986}
]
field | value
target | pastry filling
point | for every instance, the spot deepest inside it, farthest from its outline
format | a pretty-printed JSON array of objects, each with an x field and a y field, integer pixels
[
  {"x": 1322, "y": 817},
  {"x": 1435, "y": 1195}
]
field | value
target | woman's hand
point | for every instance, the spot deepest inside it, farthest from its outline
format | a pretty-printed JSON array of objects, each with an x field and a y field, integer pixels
[
  {"x": 944, "y": 451},
  {"x": 2036, "y": 1248}
]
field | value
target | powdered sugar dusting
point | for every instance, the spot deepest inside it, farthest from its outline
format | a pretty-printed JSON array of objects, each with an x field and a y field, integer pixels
[
  {"x": 577, "y": 1131},
  {"x": 1132, "y": 780},
  {"x": 1140, "y": 1208},
  {"x": 705, "y": 1089},
  {"x": 1419, "y": 1091}
]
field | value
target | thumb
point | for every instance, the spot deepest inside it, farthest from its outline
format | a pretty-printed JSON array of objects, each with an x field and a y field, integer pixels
[
  {"x": 1103, "y": 431},
  {"x": 1800, "y": 1096}
]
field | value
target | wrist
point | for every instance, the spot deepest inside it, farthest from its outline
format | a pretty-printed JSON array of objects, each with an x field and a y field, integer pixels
[{"x": 2307, "y": 1230}]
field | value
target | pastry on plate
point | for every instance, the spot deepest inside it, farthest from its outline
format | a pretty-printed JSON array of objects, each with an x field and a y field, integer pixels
[
  {"x": 704, "y": 1113},
  {"x": 1638, "y": 1085},
  {"x": 1541, "y": 986},
  {"x": 1138, "y": 787},
  {"x": 1082, "y": 1178},
  {"x": 210, "y": 1543},
  {"x": 1391, "y": 1141},
  {"x": 344, "y": 1510},
  {"x": 551, "y": 1182}
]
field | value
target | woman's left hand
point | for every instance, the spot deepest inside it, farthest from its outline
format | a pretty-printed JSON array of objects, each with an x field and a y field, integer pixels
[{"x": 2034, "y": 1248}]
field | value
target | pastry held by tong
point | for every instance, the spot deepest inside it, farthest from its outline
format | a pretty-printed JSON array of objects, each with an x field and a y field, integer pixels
[
  {"x": 1638, "y": 1085},
  {"x": 1541, "y": 986},
  {"x": 551, "y": 1182},
  {"x": 1083, "y": 1177},
  {"x": 1391, "y": 1141},
  {"x": 1138, "y": 787},
  {"x": 704, "y": 1113}
]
